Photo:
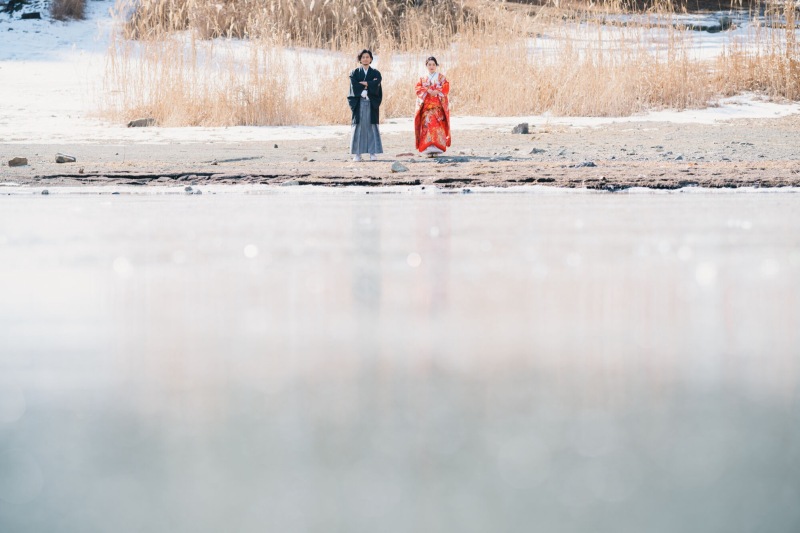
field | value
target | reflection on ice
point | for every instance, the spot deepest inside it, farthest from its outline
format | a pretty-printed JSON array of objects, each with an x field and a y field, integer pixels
[{"x": 351, "y": 362}]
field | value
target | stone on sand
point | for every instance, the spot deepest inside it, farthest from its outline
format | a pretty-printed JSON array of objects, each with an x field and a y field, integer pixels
[
  {"x": 18, "y": 162},
  {"x": 521, "y": 128},
  {"x": 142, "y": 123}
]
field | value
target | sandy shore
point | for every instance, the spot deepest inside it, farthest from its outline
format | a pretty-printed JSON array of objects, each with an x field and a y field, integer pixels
[{"x": 734, "y": 153}]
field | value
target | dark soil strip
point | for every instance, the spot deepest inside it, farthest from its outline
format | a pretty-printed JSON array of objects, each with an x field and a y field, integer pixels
[{"x": 604, "y": 176}]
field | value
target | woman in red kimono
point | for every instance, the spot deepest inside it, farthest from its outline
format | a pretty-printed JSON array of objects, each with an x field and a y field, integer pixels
[{"x": 432, "y": 119}]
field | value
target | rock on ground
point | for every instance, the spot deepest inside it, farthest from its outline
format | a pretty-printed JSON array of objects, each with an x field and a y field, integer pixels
[
  {"x": 521, "y": 129},
  {"x": 142, "y": 123}
]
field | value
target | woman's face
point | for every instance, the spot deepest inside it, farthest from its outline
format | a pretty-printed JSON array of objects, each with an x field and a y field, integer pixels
[
  {"x": 431, "y": 66},
  {"x": 366, "y": 60}
]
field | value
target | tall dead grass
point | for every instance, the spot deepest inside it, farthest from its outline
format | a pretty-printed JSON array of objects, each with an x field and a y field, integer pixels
[
  {"x": 331, "y": 24},
  {"x": 771, "y": 67},
  {"x": 188, "y": 78},
  {"x": 207, "y": 83}
]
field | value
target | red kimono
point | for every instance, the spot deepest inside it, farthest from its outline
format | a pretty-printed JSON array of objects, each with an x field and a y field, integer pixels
[{"x": 432, "y": 119}]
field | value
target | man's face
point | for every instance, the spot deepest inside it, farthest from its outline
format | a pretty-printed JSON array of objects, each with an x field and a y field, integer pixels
[{"x": 366, "y": 60}]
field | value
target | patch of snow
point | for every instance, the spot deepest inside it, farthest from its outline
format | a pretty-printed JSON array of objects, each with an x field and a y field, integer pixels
[{"x": 745, "y": 106}]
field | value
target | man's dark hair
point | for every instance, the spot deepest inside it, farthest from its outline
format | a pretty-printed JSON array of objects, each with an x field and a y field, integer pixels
[{"x": 361, "y": 54}]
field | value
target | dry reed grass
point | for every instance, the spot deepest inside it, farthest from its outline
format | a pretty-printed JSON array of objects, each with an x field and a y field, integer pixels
[
  {"x": 68, "y": 9},
  {"x": 185, "y": 78},
  {"x": 772, "y": 67},
  {"x": 332, "y": 24}
]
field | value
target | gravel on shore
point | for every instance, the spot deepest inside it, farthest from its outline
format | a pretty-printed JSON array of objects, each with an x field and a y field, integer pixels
[{"x": 730, "y": 154}]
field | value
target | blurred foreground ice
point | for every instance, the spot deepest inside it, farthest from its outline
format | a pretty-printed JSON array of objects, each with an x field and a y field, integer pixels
[{"x": 395, "y": 363}]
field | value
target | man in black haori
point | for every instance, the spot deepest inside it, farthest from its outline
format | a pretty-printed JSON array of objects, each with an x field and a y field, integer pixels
[{"x": 365, "y": 99}]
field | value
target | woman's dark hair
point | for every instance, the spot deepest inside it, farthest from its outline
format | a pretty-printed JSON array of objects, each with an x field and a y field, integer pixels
[
  {"x": 361, "y": 54},
  {"x": 432, "y": 59}
]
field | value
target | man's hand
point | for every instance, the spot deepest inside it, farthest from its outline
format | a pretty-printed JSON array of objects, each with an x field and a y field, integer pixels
[{"x": 365, "y": 84}]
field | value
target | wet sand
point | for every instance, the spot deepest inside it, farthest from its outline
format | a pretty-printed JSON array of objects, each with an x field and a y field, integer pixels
[{"x": 735, "y": 153}]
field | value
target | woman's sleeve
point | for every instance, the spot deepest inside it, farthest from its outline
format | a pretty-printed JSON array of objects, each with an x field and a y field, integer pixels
[
  {"x": 420, "y": 90},
  {"x": 446, "y": 87}
]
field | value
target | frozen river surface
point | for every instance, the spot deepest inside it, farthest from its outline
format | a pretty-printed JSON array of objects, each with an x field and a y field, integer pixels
[{"x": 336, "y": 361}]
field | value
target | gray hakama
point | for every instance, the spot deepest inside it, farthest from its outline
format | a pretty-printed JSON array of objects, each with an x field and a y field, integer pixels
[{"x": 366, "y": 139}]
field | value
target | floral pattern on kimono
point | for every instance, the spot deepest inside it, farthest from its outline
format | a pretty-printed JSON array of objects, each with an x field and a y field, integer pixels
[{"x": 432, "y": 118}]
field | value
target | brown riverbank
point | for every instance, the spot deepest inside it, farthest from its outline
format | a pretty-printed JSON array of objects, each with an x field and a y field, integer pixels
[{"x": 737, "y": 153}]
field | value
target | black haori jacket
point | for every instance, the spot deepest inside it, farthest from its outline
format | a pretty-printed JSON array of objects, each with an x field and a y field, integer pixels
[{"x": 374, "y": 92}]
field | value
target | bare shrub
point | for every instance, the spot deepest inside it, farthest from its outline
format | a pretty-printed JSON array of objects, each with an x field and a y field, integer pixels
[{"x": 68, "y": 9}]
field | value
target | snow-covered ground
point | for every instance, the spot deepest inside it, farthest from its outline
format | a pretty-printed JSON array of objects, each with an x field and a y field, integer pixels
[
  {"x": 51, "y": 76},
  {"x": 52, "y": 83}
]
